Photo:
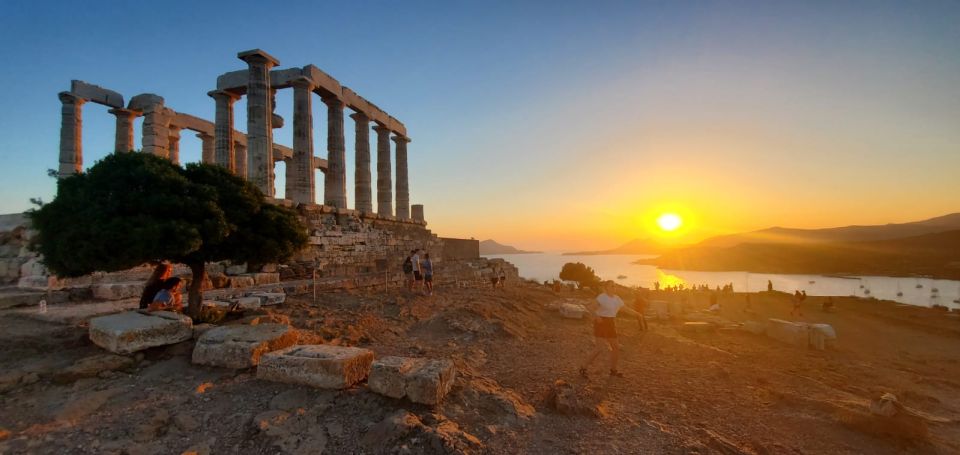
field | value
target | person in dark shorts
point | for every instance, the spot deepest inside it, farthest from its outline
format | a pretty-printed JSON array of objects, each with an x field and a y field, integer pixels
[
  {"x": 417, "y": 270},
  {"x": 427, "y": 267},
  {"x": 640, "y": 306},
  {"x": 604, "y": 311},
  {"x": 495, "y": 278},
  {"x": 408, "y": 270}
]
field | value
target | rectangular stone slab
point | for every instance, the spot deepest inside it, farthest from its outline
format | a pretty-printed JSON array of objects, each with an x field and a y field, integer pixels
[
  {"x": 134, "y": 331},
  {"x": 421, "y": 380},
  {"x": 270, "y": 298},
  {"x": 324, "y": 366},
  {"x": 795, "y": 333},
  {"x": 572, "y": 311},
  {"x": 241, "y": 346}
]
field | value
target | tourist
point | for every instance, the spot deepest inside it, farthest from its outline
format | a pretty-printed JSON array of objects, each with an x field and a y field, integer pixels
[
  {"x": 408, "y": 270},
  {"x": 427, "y": 266},
  {"x": 828, "y": 305},
  {"x": 494, "y": 278},
  {"x": 169, "y": 297},
  {"x": 769, "y": 286},
  {"x": 796, "y": 300},
  {"x": 502, "y": 278},
  {"x": 640, "y": 305},
  {"x": 604, "y": 311},
  {"x": 417, "y": 270},
  {"x": 155, "y": 283}
]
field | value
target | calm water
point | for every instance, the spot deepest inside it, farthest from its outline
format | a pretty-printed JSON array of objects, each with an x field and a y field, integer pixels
[{"x": 546, "y": 266}]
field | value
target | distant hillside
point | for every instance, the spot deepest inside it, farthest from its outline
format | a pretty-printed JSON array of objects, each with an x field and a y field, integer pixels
[
  {"x": 838, "y": 234},
  {"x": 637, "y": 246},
  {"x": 492, "y": 247},
  {"x": 936, "y": 255}
]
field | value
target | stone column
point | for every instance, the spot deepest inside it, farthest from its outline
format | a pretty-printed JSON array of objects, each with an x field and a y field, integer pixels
[
  {"x": 124, "y": 139},
  {"x": 300, "y": 169},
  {"x": 71, "y": 133},
  {"x": 156, "y": 130},
  {"x": 223, "y": 148},
  {"x": 335, "y": 180},
  {"x": 207, "y": 153},
  {"x": 403, "y": 184},
  {"x": 361, "y": 176},
  {"x": 259, "y": 119},
  {"x": 240, "y": 164},
  {"x": 416, "y": 212},
  {"x": 174, "y": 145},
  {"x": 384, "y": 179}
]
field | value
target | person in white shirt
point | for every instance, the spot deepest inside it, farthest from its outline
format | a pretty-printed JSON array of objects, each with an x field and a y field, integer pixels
[
  {"x": 604, "y": 312},
  {"x": 417, "y": 271}
]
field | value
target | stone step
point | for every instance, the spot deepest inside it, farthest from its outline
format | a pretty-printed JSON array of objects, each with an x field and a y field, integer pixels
[{"x": 324, "y": 366}]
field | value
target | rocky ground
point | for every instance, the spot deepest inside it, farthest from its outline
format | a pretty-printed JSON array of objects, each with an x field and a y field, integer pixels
[{"x": 517, "y": 390}]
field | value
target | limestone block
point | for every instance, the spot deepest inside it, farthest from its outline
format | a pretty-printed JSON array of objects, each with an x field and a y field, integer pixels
[
  {"x": 572, "y": 311},
  {"x": 325, "y": 366},
  {"x": 822, "y": 336},
  {"x": 659, "y": 309},
  {"x": 236, "y": 269},
  {"x": 241, "y": 281},
  {"x": 116, "y": 291},
  {"x": 794, "y": 333},
  {"x": 241, "y": 346},
  {"x": 132, "y": 331},
  {"x": 36, "y": 282},
  {"x": 248, "y": 303},
  {"x": 269, "y": 298},
  {"x": 424, "y": 381},
  {"x": 96, "y": 94},
  {"x": 265, "y": 278}
]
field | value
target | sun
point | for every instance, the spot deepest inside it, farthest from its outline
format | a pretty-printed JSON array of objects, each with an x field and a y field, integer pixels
[{"x": 669, "y": 222}]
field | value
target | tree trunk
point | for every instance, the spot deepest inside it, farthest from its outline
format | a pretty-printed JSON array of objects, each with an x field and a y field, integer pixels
[{"x": 195, "y": 296}]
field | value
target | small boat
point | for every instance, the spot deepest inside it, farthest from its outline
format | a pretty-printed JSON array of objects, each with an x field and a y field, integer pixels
[
  {"x": 861, "y": 286},
  {"x": 934, "y": 290},
  {"x": 899, "y": 292},
  {"x": 866, "y": 292},
  {"x": 621, "y": 277},
  {"x": 919, "y": 285},
  {"x": 811, "y": 282}
]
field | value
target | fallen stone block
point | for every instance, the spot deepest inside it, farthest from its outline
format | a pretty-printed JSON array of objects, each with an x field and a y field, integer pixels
[
  {"x": 265, "y": 278},
  {"x": 698, "y": 327},
  {"x": 572, "y": 311},
  {"x": 134, "y": 331},
  {"x": 324, "y": 366},
  {"x": 241, "y": 281},
  {"x": 117, "y": 291},
  {"x": 795, "y": 333},
  {"x": 241, "y": 346},
  {"x": 424, "y": 381},
  {"x": 269, "y": 298},
  {"x": 822, "y": 336}
]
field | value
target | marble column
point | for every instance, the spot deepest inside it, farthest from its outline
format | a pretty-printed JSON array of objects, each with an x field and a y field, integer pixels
[
  {"x": 384, "y": 179},
  {"x": 259, "y": 119},
  {"x": 124, "y": 138},
  {"x": 223, "y": 140},
  {"x": 416, "y": 212},
  {"x": 361, "y": 175},
  {"x": 71, "y": 133},
  {"x": 173, "y": 145},
  {"x": 240, "y": 163},
  {"x": 207, "y": 153},
  {"x": 300, "y": 169},
  {"x": 403, "y": 183},
  {"x": 335, "y": 180},
  {"x": 156, "y": 130}
]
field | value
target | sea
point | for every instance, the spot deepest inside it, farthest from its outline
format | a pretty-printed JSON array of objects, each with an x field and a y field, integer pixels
[{"x": 620, "y": 268}]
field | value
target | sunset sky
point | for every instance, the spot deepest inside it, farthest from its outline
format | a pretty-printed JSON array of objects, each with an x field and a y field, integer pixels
[{"x": 546, "y": 126}]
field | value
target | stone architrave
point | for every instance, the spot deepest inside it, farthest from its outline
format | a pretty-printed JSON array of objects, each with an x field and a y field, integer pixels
[
  {"x": 207, "y": 151},
  {"x": 241, "y": 346},
  {"x": 133, "y": 331},
  {"x": 384, "y": 179},
  {"x": 300, "y": 169},
  {"x": 71, "y": 134},
  {"x": 124, "y": 138},
  {"x": 240, "y": 160},
  {"x": 403, "y": 183},
  {"x": 259, "y": 119},
  {"x": 335, "y": 179},
  {"x": 173, "y": 145},
  {"x": 325, "y": 366},
  {"x": 361, "y": 178},
  {"x": 223, "y": 129}
]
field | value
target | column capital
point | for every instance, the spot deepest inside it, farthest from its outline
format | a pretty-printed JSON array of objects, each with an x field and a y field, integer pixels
[
  {"x": 401, "y": 139},
  {"x": 360, "y": 117},
  {"x": 204, "y": 136},
  {"x": 71, "y": 98},
  {"x": 303, "y": 82},
  {"x": 382, "y": 129},
  {"x": 119, "y": 112},
  {"x": 333, "y": 101},
  {"x": 258, "y": 56},
  {"x": 223, "y": 94}
]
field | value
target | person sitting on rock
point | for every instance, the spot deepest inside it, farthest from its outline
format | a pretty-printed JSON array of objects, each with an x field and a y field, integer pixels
[
  {"x": 160, "y": 274},
  {"x": 604, "y": 311},
  {"x": 169, "y": 297}
]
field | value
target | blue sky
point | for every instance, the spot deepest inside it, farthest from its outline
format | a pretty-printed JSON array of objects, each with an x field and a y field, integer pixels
[{"x": 543, "y": 125}]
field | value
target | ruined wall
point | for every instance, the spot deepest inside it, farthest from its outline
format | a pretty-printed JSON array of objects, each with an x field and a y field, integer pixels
[{"x": 460, "y": 248}]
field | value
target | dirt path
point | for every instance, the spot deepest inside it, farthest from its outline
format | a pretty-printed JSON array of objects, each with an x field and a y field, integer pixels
[{"x": 725, "y": 391}]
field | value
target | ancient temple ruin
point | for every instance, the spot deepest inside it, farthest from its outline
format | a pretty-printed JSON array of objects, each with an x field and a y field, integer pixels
[{"x": 252, "y": 154}]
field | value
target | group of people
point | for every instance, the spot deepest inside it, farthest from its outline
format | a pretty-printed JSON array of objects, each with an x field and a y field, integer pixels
[
  {"x": 418, "y": 271},
  {"x": 498, "y": 278},
  {"x": 162, "y": 292}
]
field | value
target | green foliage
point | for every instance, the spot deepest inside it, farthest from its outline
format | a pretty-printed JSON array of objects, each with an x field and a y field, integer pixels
[
  {"x": 132, "y": 208},
  {"x": 579, "y": 272}
]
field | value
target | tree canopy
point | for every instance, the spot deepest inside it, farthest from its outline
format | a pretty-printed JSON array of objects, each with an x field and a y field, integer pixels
[
  {"x": 581, "y": 273},
  {"x": 134, "y": 208}
]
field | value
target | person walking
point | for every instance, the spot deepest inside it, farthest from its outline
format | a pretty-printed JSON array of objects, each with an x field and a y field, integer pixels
[
  {"x": 604, "y": 311},
  {"x": 417, "y": 270},
  {"x": 427, "y": 267},
  {"x": 408, "y": 270}
]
